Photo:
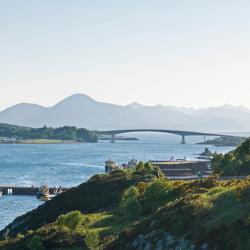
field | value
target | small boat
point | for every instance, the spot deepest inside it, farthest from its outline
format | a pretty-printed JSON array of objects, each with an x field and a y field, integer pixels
[
  {"x": 1, "y": 192},
  {"x": 43, "y": 192},
  {"x": 47, "y": 197},
  {"x": 111, "y": 165}
]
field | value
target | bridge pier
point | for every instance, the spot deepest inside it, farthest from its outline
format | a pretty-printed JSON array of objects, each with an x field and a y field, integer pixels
[
  {"x": 112, "y": 138},
  {"x": 183, "y": 139}
]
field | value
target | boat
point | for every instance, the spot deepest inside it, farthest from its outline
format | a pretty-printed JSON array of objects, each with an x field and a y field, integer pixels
[
  {"x": 1, "y": 192},
  {"x": 47, "y": 197},
  {"x": 111, "y": 165},
  {"x": 43, "y": 192},
  {"x": 131, "y": 164}
]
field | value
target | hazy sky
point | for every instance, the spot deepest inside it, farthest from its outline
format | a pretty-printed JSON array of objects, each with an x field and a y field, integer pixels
[{"x": 184, "y": 53}]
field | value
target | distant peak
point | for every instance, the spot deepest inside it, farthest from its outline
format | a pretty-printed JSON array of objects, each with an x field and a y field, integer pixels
[
  {"x": 135, "y": 105},
  {"x": 79, "y": 96},
  {"x": 76, "y": 99}
]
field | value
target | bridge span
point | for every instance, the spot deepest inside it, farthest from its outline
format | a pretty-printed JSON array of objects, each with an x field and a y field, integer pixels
[{"x": 181, "y": 133}]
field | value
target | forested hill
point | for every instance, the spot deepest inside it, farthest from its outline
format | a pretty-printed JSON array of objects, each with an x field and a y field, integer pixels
[{"x": 68, "y": 133}]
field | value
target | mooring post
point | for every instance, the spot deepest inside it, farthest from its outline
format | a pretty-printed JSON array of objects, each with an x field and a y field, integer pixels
[{"x": 183, "y": 139}]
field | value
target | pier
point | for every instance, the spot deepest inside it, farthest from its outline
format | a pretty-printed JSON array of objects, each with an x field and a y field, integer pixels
[{"x": 13, "y": 190}]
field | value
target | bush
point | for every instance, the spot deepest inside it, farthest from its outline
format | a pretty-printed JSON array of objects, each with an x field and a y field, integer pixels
[
  {"x": 20, "y": 236},
  {"x": 71, "y": 220},
  {"x": 148, "y": 166},
  {"x": 141, "y": 187},
  {"x": 130, "y": 204},
  {"x": 156, "y": 194},
  {"x": 234, "y": 163},
  {"x": 35, "y": 243},
  {"x": 92, "y": 240},
  {"x": 140, "y": 166}
]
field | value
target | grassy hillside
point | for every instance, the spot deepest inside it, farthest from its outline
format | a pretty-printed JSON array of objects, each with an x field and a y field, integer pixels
[{"x": 139, "y": 209}]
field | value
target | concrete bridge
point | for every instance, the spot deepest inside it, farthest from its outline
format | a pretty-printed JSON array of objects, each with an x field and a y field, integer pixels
[{"x": 181, "y": 133}]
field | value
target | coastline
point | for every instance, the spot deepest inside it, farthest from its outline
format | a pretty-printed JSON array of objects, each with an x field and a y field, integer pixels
[{"x": 42, "y": 141}]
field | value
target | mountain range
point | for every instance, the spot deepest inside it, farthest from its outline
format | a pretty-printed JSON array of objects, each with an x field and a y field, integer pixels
[{"x": 82, "y": 111}]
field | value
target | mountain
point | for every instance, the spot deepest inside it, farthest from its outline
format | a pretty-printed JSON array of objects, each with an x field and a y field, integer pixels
[
  {"x": 82, "y": 111},
  {"x": 20, "y": 112}
]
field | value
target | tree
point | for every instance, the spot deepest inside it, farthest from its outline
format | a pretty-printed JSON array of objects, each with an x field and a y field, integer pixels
[
  {"x": 242, "y": 153},
  {"x": 140, "y": 166},
  {"x": 148, "y": 166}
]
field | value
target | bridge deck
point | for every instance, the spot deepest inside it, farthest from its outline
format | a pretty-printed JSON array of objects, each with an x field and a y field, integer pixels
[{"x": 176, "y": 132}]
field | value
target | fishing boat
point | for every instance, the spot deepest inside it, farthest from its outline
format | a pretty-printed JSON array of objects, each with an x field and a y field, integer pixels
[
  {"x": 43, "y": 192},
  {"x": 45, "y": 195},
  {"x": 111, "y": 165}
]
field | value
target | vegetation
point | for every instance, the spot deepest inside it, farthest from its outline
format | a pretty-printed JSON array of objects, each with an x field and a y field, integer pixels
[
  {"x": 225, "y": 141},
  {"x": 234, "y": 163},
  {"x": 140, "y": 209},
  {"x": 71, "y": 220},
  {"x": 46, "y": 134},
  {"x": 35, "y": 243}
]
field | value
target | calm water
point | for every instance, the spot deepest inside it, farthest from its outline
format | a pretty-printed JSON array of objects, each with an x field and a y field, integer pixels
[{"x": 70, "y": 165}]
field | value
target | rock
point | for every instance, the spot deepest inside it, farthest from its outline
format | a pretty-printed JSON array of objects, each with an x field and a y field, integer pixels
[
  {"x": 184, "y": 245},
  {"x": 151, "y": 234},
  {"x": 204, "y": 246},
  {"x": 136, "y": 243},
  {"x": 168, "y": 239},
  {"x": 159, "y": 245},
  {"x": 148, "y": 246},
  {"x": 152, "y": 223}
]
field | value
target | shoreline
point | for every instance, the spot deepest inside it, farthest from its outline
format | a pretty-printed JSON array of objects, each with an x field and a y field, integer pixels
[{"x": 42, "y": 141}]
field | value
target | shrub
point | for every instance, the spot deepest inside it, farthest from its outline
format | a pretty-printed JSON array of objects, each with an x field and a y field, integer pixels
[
  {"x": 20, "y": 236},
  {"x": 156, "y": 194},
  {"x": 140, "y": 166},
  {"x": 35, "y": 243},
  {"x": 141, "y": 187},
  {"x": 92, "y": 240},
  {"x": 148, "y": 166},
  {"x": 130, "y": 204},
  {"x": 71, "y": 220}
]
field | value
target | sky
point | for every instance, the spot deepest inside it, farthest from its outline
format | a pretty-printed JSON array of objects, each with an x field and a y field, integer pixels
[{"x": 192, "y": 53}]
